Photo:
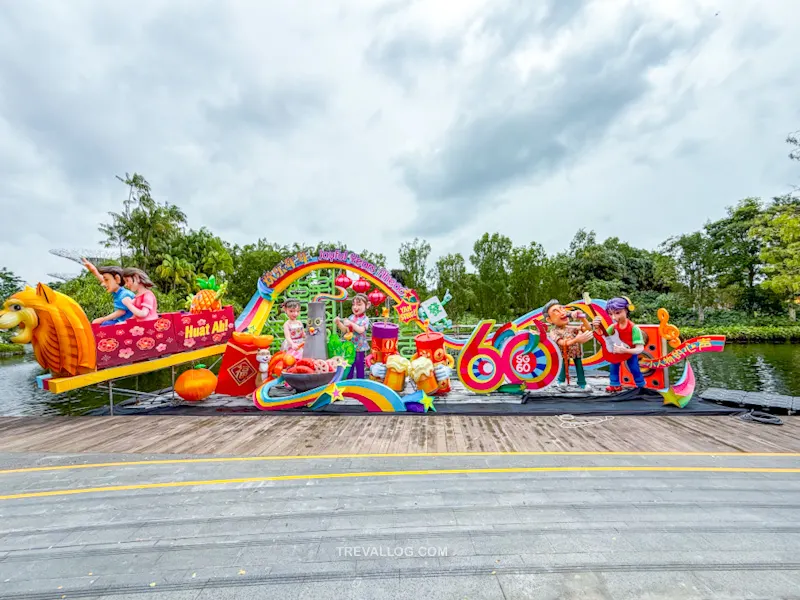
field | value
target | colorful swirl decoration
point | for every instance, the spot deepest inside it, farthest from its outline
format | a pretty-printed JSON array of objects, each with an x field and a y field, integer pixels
[
  {"x": 339, "y": 296},
  {"x": 512, "y": 355}
]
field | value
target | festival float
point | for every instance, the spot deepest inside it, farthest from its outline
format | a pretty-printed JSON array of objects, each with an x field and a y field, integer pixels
[{"x": 404, "y": 373}]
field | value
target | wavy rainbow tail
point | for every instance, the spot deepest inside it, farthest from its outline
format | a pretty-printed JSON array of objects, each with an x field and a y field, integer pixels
[{"x": 339, "y": 296}]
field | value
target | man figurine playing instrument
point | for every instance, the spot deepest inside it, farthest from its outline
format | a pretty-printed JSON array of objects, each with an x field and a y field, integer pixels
[
  {"x": 568, "y": 338},
  {"x": 631, "y": 342}
]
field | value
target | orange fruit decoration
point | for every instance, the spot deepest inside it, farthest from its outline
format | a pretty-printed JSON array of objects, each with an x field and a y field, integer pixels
[
  {"x": 244, "y": 338},
  {"x": 208, "y": 298},
  {"x": 263, "y": 341},
  {"x": 196, "y": 384}
]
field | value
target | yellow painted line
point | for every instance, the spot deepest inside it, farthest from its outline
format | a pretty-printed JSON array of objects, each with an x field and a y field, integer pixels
[
  {"x": 175, "y": 484},
  {"x": 65, "y": 384},
  {"x": 225, "y": 459}
]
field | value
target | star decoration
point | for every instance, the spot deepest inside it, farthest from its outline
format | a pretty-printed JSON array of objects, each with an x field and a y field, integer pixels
[
  {"x": 427, "y": 402},
  {"x": 670, "y": 397},
  {"x": 334, "y": 392}
]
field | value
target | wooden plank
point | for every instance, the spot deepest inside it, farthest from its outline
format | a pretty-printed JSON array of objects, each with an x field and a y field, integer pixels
[
  {"x": 286, "y": 435},
  {"x": 65, "y": 384}
]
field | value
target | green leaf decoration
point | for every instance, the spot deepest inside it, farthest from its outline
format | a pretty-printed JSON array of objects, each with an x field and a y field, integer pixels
[{"x": 349, "y": 352}]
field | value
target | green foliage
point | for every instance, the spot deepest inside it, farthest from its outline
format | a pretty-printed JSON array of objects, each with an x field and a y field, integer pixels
[
  {"x": 414, "y": 259},
  {"x": 694, "y": 257},
  {"x": 779, "y": 231},
  {"x": 747, "y": 333},
  {"x": 11, "y": 349},
  {"x": 9, "y": 284},
  {"x": 450, "y": 273},
  {"x": 490, "y": 257}
]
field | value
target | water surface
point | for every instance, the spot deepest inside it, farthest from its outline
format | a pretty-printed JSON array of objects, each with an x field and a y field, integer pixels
[{"x": 751, "y": 367}]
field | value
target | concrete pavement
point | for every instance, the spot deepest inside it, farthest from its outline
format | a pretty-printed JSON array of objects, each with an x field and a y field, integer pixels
[{"x": 589, "y": 525}]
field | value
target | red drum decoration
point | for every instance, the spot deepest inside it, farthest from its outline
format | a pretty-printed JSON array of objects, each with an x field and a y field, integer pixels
[
  {"x": 431, "y": 344},
  {"x": 343, "y": 281},
  {"x": 361, "y": 286}
]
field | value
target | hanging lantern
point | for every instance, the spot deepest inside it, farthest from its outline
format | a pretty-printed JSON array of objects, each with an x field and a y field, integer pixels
[
  {"x": 343, "y": 281},
  {"x": 361, "y": 286},
  {"x": 376, "y": 297}
]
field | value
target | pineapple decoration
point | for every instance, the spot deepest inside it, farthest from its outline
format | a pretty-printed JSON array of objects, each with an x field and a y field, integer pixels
[{"x": 208, "y": 298}]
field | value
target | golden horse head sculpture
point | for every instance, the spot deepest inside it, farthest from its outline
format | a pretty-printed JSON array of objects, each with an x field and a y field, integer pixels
[{"x": 56, "y": 325}]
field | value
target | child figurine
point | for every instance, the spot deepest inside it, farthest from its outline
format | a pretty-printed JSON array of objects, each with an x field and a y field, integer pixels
[
  {"x": 112, "y": 278},
  {"x": 293, "y": 331},
  {"x": 144, "y": 305},
  {"x": 570, "y": 339},
  {"x": 619, "y": 309},
  {"x": 357, "y": 324}
]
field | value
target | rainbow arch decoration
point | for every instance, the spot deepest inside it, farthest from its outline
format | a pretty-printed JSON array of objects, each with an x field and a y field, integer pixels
[{"x": 290, "y": 269}]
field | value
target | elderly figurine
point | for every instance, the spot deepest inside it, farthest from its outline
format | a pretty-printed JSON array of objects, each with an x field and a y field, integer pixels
[{"x": 569, "y": 338}]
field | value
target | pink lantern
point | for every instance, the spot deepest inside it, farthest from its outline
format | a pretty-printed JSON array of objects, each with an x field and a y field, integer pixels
[
  {"x": 343, "y": 281},
  {"x": 361, "y": 286},
  {"x": 376, "y": 297}
]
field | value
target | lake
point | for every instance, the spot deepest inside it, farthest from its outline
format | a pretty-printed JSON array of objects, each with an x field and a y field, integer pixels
[{"x": 751, "y": 367}]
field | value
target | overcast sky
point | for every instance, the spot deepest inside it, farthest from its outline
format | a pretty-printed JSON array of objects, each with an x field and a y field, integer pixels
[{"x": 373, "y": 122}]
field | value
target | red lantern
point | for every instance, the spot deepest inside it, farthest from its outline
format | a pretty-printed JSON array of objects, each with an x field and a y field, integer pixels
[
  {"x": 361, "y": 286},
  {"x": 344, "y": 281},
  {"x": 376, "y": 297}
]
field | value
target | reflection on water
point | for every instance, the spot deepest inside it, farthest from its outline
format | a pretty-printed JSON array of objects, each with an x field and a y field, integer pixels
[
  {"x": 753, "y": 367},
  {"x": 19, "y": 395}
]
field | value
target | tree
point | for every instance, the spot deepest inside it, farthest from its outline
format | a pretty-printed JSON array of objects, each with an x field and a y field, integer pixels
[
  {"x": 592, "y": 262},
  {"x": 450, "y": 273},
  {"x": 414, "y": 260},
  {"x": 9, "y": 283},
  {"x": 527, "y": 265},
  {"x": 693, "y": 254},
  {"x": 145, "y": 228},
  {"x": 779, "y": 231},
  {"x": 206, "y": 253},
  {"x": 736, "y": 252},
  {"x": 490, "y": 257},
  {"x": 249, "y": 264},
  {"x": 793, "y": 139}
]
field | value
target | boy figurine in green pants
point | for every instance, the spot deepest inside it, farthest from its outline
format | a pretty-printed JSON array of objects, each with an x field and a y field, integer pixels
[{"x": 568, "y": 338}]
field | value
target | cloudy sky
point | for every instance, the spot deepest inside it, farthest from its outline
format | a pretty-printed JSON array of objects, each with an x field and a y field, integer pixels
[{"x": 374, "y": 121}]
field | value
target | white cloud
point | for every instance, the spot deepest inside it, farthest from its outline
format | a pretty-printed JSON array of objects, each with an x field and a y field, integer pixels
[{"x": 374, "y": 123}]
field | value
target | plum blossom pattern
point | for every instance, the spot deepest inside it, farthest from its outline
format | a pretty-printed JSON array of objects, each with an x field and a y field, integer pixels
[
  {"x": 189, "y": 343},
  {"x": 126, "y": 353},
  {"x": 137, "y": 331},
  {"x": 161, "y": 347}
]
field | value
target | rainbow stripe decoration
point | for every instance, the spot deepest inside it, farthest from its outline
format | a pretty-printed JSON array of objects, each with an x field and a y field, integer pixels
[
  {"x": 339, "y": 296},
  {"x": 681, "y": 393},
  {"x": 704, "y": 343},
  {"x": 373, "y": 395}
]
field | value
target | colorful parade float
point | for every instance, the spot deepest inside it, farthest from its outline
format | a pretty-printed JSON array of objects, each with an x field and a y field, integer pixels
[{"x": 408, "y": 358}]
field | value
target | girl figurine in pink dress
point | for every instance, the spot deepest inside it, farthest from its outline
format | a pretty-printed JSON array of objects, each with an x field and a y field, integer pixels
[
  {"x": 293, "y": 331},
  {"x": 143, "y": 305}
]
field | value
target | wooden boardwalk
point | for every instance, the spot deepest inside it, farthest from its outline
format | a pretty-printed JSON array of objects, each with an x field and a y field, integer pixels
[{"x": 284, "y": 435}]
